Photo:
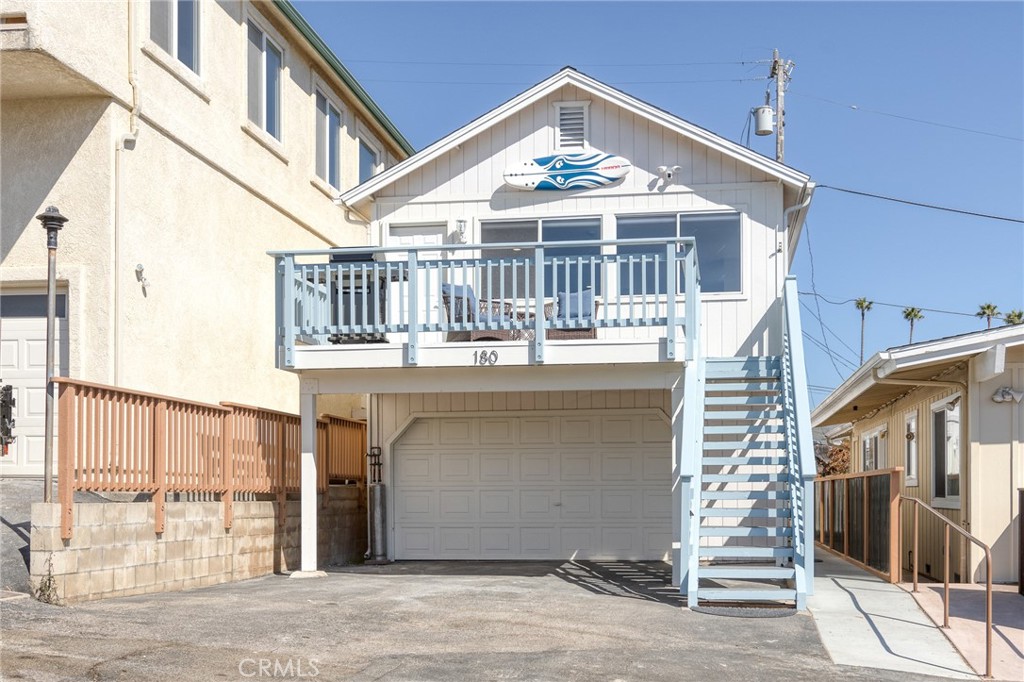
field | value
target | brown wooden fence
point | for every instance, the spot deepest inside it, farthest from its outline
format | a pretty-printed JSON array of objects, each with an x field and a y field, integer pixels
[
  {"x": 116, "y": 440},
  {"x": 858, "y": 517}
]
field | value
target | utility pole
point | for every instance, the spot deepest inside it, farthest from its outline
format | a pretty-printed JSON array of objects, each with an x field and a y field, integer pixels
[{"x": 780, "y": 72}]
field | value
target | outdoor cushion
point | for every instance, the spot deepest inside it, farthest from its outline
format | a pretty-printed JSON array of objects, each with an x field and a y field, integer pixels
[{"x": 576, "y": 305}]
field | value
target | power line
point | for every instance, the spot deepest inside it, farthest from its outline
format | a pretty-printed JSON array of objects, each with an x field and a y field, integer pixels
[
  {"x": 837, "y": 336},
  {"x": 922, "y": 205},
  {"x": 810, "y": 255},
  {"x": 908, "y": 118},
  {"x": 556, "y": 64},
  {"x": 824, "y": 349},
  {"x": 524, "y": 83},
  {"x": 890, "y": 305}
]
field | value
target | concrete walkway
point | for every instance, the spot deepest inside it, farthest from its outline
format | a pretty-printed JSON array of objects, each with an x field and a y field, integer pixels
[
  {"x": 967, "y": 624},
  {"x": 867, "y": 622}
]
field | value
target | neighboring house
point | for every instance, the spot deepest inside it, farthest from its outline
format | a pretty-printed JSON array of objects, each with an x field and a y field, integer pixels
[
  {"x": 181, "y": 140},
  {"x": 949, "y": 412},
  {"x": 532, "y": 361}
]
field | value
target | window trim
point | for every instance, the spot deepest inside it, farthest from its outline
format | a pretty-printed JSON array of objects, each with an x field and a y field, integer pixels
[
  {"x": 332, "y": 101},
  {"x": 558, "y": 106},
  {"x": 912, "y": 473},
  {"x": 272, "y": 37},
  {"x": 948, "y": 501}
]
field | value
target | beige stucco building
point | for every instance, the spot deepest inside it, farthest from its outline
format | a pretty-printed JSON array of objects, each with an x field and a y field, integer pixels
[
  {"x": 949, "y": 412},
  {"x": 181, "y": 141}
]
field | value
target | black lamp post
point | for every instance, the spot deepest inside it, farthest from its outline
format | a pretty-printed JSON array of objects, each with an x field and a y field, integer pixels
[{"x": 52, "y": 222}]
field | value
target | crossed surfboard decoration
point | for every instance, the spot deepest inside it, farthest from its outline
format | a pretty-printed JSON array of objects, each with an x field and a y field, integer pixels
[{"x": 583, "y": 170}]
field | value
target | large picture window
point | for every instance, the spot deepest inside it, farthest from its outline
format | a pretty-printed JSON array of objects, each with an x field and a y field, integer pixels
[
  {"x": 718, "y": 249},
  {"x": 559, "y": 275},
  {"x": 946, "y": 452}
]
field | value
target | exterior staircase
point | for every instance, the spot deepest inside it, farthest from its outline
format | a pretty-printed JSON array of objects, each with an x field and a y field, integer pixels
[{"x": 746, "y": 506}]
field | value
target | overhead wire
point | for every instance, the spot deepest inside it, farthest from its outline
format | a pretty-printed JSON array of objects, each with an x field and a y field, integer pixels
[
  {"x": 922, "y": 204},
  {"x": 892, "y": 305},
  {"x": 522, "y": 83},
  {"x": 810, "y": 255},
  {"x": 658, "y": 64},
  {"x": 829, "y": 329}
]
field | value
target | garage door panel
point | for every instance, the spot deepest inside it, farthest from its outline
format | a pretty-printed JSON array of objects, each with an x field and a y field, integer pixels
[
  {"x": 656, "y": 430},
  {"x": 420, "y": 432},
  {"x": 457, "y": 467},
  {"x": 8, "y": 354},
  {"x": 497, "y": 431},
  {"x": 471, "y": 493},
  {"x": 498, "y": 467},
  {"x": 538, "y": 467},
  {"x": 458, "y": 505},
  {"x": 498, "y": 505},
  {"x": 620, "y": 503}
]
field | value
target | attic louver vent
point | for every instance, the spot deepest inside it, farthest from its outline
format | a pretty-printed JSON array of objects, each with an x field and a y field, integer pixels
[{"x": 572, "y": 126}]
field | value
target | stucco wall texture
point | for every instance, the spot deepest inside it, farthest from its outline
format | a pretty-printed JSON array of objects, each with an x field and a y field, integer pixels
[{"x": 197, "y": 200}]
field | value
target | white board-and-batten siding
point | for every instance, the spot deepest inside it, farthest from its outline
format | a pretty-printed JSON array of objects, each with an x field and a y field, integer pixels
[{"x": 466, "y": 183}]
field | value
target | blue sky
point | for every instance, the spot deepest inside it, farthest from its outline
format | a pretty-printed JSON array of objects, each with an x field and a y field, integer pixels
[{"x": 435, "y": 66}]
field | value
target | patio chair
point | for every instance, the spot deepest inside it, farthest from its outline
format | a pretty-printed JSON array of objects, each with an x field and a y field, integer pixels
[
  {"x": 462, "y": 306},
  {"x": 578, "y": 307}
]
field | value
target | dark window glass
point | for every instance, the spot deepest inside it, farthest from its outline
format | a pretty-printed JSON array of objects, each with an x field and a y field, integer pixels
[
  {"x": 939, "y": 451},
  {"x": 638, "y": 278},
  {"x": 333, "y": 142},
  {"x": 160, "y": 21},
  {"x": 254, "y": 58},
  {"x": 274, "y": 63},
  {"x": 515, "y": 268},
  {"x": 321, "y": 135},
  {"x": 367, "y": 162},
  {"x": 572, "y": 276},
  {"x": 30, "y": 305},
  {"x": 718, "y": 249},
  {"x": 188, "y": 34}
]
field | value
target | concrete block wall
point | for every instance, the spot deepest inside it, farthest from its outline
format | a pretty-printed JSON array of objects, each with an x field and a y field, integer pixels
[{"x": 114, "y": 550}]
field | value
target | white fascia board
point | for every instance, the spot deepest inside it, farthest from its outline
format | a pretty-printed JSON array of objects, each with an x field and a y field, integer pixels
[
  {"x": 796, "y": 226},
  {"x": 565, "y": 77},
  {"x": 855, "y": 384}
]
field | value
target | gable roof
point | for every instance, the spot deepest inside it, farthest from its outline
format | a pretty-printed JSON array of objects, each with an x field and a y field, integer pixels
[
  {"x": 570, "y": 76},
  {"x": 316, "y": 42},
  {"x": 864, "y": 390}
]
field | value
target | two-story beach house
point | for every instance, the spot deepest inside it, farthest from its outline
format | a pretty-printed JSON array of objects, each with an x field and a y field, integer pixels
[
  {"x": 577, "y": 325},
  {"x": 181, "y": 140}
]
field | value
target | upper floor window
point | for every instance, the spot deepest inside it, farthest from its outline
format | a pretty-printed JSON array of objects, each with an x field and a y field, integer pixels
[
  {"x": 571, "y": 130},
  {"x": 872, "y": 450},
  {"x": 946, "y": 452},
  {"x": 328, "y": 138},
  {"x": 265, "y": 63},
  {"x": 174, "y": 26},
  {"x": 369, "y": 159},
  {"x": 718, "y": 249}
]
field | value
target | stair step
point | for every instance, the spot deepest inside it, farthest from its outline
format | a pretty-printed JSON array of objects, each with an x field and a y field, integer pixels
[
  {"x": 766, "y": 366},
  {"x": 773, "y": 413},
  {"x": 745, "y": 532},
  {"x": 742, "y": 461},
  {"x": 774, "y": 552},
  {"x": 745, "y": 478},
  {"x": 747, "y": 513},
  {"x": 769, "y": 384},
  {"x": 744, "y": 429},
  {"x": 734, "y": 594},
  {"x": 744, "y": 494},
  {"x": 746, "y": 572},
  {"x": 769, "y": 400},
  {"x": 741, "y": 445}
]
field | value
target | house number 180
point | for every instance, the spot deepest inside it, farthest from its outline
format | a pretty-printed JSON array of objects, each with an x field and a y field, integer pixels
[{"x": 483, "y": 357}]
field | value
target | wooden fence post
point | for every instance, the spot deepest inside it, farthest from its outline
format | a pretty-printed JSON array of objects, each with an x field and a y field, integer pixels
[
  {"x": 228, "y": 466},
  {"x": 159, "y": 467},
  {"x": 282, "y": 453},
  {"x": 67, "y": 432},
  {"x": 846, "y": 517},
  {"x": 895, "y": 567}
]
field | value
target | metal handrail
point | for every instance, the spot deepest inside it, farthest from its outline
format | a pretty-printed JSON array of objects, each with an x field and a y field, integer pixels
[{"x": 945, "y": 571}]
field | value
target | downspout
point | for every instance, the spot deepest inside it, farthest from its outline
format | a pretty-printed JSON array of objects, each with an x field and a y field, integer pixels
[
  {"x": 125, "y": 143},
  {"x": 965, "y": 489},
  {"x": 350, "y": 211}
]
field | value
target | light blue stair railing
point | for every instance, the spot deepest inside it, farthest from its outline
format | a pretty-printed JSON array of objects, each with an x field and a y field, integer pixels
[{"x": 799, "y": 442}]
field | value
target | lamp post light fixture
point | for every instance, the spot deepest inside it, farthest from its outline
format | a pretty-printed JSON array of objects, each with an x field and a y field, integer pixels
[{"x": 53, "y": 222}]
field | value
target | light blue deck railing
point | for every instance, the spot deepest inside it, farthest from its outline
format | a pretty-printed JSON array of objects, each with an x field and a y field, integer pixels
[
  {"x": 799, "y": 442},
  {"x": 319, "y": 299}
]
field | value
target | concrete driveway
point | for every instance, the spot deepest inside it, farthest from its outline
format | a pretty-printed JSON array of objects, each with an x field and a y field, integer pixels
[{"x": 416, "y": 621}]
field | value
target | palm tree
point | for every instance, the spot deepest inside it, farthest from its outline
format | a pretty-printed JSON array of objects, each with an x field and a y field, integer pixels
[
  {"x": 863, "y": 305},
  {"x": 988, "y": 311},
  {"x": 911, "y": 315},
  {"x": 1014, "y": 317}
]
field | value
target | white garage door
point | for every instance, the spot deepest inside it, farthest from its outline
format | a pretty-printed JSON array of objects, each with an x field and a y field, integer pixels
[
  {"x": 593, "y": 485},
  {"x": 23, "y": 365}
]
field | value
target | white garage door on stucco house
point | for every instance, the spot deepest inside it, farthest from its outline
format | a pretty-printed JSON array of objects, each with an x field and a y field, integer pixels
[{"x": 591, "y": 484}]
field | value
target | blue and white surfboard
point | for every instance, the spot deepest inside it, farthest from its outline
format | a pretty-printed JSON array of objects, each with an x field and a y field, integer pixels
[{"x": 584, "y": 170}]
